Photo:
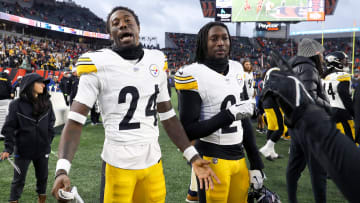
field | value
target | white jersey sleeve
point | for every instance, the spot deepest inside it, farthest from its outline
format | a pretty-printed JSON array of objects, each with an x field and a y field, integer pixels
[{"x": 88, "y": 90}]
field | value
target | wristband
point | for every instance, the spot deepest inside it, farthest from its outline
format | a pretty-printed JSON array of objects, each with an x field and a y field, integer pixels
[
  {"x": 166, "y": 115},
  {"x": 63, "y": 164},
  {"x": 59, "y": 174},
  {"x": 77, "y": 117},
  {"x": 189, "y": 153}
]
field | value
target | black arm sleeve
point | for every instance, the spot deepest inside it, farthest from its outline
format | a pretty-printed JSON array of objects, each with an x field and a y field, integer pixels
[
  {"x": 249, "y": 142},
  {"x": 244, "y": 95},
  {"x": 189, "y": 110},
  {"x": 334, "y": 151},
  {"x": 344, "y": 93}
]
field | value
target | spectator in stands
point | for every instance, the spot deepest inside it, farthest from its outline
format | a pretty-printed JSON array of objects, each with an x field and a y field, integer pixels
[
  {"x": 29, "y": 131},
  {"x": 5, "y": 85}
]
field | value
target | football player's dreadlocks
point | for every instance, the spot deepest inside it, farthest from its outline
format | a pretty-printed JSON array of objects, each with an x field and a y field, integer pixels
[{"x": 201, "y": 42}]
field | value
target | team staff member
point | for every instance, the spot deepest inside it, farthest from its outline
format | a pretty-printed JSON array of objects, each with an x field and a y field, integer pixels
[
  {"x": 65, "y": 86},
  {"x": 74, "y": 79},
  {"x": 211, "y": 110},
  {"x": 307, "y": 66},
  {"x": 129, "y": 107},
  {"x": 29, "y": 131},
  {"x": 337, "y": 85}
]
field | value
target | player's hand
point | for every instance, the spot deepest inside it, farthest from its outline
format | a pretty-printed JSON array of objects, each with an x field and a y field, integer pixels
[
  {"x": 61, "y": 182},
  {"x": 4, "y": 155},
  {"x": 204, "y": 173},
  {"x": 243, "y": 109},
  {"x": 256, "y": 178}
]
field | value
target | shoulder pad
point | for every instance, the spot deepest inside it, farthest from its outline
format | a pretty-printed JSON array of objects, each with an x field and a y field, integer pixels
[
  {"x": 85, "y": 65},
  {"x": 344, "y": 77},
  {"x": 184, "y": 80}
]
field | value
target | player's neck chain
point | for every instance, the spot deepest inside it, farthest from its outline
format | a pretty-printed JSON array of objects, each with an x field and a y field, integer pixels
[
  {"x": 219, "y": 65},
  {"x": 130, "y": 53}
]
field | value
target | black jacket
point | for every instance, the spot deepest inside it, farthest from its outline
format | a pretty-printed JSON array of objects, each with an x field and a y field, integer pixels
[
  {"x": 5, "y": 86},
  {"x": 74, "y": 87},
  {"x": 65, "y": 85},
  {"x": 305, "y": 70},
  {"x": 27, "y": 135}
]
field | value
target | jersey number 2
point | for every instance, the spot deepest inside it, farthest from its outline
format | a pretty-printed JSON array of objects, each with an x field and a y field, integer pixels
[
  {"x": 149, "y": 111},
  {"x": 232, "y": 100}
]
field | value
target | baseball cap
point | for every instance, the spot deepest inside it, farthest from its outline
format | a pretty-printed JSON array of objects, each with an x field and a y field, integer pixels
[{"x": 309, "y": 47}]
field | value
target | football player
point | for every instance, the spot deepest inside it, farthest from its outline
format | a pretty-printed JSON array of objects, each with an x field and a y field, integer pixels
[
  {"x": 247, "y": 5},
  {"x": 211, "y": 110},
  {"x": 129, "y": 108},
  {"x": 337, "y": 85},
  {"x": 275, "y": 123},
  {"x": 317, "y": 132},
  {"x": 249, "y": 79},
  {"x": 259, "y": 6},
  {"x": 357, "y": 112}
]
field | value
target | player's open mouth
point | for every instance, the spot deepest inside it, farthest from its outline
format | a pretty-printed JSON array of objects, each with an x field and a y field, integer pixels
[{"x": 126, "y": 36}]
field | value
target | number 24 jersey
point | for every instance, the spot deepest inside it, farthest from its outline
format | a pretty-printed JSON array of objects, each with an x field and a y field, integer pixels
[{"x": 127, "y": 92}]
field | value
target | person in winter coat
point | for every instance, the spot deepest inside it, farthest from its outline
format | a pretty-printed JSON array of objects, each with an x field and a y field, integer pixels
[{"x": 29, "y": 131}]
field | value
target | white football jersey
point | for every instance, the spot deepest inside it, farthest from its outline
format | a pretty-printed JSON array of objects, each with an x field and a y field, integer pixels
[
  {"x": 127, "y": 93},
  {"x": 217, "y": 92},
  {"x": 331, "y": 83},
  {"x": 249, "y": 83}
]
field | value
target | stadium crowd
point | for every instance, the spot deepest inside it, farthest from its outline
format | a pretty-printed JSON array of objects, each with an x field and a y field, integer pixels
[
  {"x": 59, "y": 13},
  {"x": 39, "y": 54}
]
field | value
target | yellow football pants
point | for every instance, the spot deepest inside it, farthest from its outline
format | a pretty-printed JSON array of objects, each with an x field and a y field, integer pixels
[
  {"x": 349, "y": 125},
  {"x": 235, "y": 181},
  {"x": 135, "y": 186}
]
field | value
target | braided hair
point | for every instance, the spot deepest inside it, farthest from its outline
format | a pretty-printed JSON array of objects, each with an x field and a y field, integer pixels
[{"x": 202, "y": 38}]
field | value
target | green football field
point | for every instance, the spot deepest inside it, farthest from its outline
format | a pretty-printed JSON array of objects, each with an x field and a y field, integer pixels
[
  {"x": 86, "y": 169},
  {"x": 281, "y": 10}
]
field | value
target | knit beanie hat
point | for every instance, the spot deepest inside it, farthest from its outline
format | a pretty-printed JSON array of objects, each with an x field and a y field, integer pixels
[{"x": 309, "y": 47}]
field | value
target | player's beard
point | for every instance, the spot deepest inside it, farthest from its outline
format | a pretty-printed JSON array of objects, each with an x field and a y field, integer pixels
[{"x": 129, "y": 52}]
